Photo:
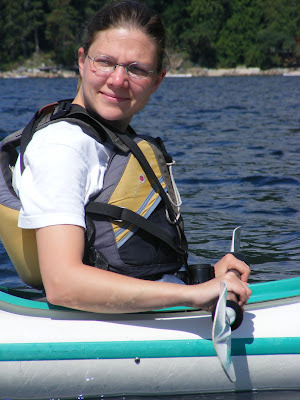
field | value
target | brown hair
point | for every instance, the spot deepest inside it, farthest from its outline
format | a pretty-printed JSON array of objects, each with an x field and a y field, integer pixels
[{"x": 128, "y": 14}]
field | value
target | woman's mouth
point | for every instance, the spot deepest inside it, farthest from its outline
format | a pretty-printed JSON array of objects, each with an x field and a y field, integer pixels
[{"x": 114, "y": 98}]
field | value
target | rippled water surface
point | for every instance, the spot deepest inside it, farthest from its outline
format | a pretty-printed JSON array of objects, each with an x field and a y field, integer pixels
[{"x": 236, "y": 142}]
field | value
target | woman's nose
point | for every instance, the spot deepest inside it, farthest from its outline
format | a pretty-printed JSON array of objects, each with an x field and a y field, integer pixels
[{"x": 119, "y": 76}]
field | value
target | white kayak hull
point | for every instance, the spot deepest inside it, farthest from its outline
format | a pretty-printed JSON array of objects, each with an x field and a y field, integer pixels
[{"x": 51, "y": 352}]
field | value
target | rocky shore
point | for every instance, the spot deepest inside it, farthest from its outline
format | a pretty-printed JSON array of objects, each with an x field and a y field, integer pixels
[
  {"x": 189, "y": 72},
  {"x": 238, "y": 71},
  {"x": 39, "y": 73}
]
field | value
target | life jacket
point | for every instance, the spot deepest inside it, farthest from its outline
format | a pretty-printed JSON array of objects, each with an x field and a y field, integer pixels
[{"x": 134, "y": 226}]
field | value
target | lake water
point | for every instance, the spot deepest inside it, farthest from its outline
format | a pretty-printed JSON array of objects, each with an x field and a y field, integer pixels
[{"x": 236, "y": 142}]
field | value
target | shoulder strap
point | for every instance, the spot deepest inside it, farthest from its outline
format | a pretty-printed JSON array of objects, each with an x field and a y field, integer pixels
[
  {"x": 63, "y": 110},
  {"x": 77, "y": 114},
  {"x": 27, "y": 134},
  {"x": 14, "y": 138},
  {"x": 8, "y": 158}
]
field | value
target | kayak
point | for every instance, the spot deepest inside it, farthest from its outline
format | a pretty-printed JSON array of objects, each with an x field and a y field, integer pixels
[{"x": 53, "y": 352}]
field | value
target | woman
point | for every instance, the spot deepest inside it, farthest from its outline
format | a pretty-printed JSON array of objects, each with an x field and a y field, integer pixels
[{"x": 121, "y": 64}]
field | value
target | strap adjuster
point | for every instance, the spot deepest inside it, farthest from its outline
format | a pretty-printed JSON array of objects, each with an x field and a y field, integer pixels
[{"x": 63, "y": 109}]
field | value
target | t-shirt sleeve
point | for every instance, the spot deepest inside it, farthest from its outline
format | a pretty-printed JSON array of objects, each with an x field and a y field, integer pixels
[{"x": 59, "y": 177}]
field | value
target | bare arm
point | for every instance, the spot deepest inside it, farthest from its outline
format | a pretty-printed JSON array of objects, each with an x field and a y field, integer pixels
[{"x": 70, "y": 283}]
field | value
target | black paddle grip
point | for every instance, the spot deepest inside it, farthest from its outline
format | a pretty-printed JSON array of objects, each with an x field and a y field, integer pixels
[
  {"x": 232, "y": 302},
  {"x": 240, "y": 256},
  {"x": 238, "y": 313}
]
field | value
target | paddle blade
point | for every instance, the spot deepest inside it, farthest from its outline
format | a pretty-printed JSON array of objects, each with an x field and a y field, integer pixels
[
  {"x": 236, "y": 240},
  {"x": 221, "y": 334}
]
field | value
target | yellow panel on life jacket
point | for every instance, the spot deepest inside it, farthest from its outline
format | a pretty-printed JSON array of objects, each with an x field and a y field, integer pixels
[
  {"x": 134, "y": 191},
  {"x": 20, "y": 245}
]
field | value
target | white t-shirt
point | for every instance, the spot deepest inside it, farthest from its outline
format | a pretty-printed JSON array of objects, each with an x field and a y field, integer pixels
[{"x": 64, "y": 168}]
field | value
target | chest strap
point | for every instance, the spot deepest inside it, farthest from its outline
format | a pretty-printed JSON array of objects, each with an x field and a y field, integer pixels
[{"x": 124, "y": 214}]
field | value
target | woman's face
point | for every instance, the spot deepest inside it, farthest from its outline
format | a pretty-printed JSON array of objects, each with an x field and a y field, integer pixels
[{"x": 116, "y": 97}]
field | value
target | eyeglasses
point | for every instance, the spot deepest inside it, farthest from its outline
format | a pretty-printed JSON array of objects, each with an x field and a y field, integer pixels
[{"x": 106, "y": 66}]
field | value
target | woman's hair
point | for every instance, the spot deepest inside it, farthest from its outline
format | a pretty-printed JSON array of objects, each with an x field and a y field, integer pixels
[{"x": 128, "y": 14}]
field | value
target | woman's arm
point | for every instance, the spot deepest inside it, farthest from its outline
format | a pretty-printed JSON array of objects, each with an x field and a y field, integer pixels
[{"x": 70, "y": 283}]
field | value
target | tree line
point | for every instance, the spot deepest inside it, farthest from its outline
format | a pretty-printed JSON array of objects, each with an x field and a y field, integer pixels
[{"x": 208, "y": 33}]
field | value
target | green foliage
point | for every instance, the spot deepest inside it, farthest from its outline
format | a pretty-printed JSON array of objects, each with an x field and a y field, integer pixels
[
  {"x": 61, "y": 26},
  {"x": 206, "y": 20},
  {"x": 209, "y": 33},
  {"x": 279, "y": 34},
  {"x": 237, "y": 37}
]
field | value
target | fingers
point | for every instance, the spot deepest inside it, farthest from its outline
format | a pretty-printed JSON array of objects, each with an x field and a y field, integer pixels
[
  {"x": 238, "y": 287},
  {"x": 205, "y": 295},
  {"x": 229, "y": 262}
]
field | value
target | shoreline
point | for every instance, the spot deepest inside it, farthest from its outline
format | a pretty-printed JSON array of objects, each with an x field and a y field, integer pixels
[
  {"x": 190, "y": 72},
  {"x": 38, "y": 73},
  {"x": 238, "y": 71}
]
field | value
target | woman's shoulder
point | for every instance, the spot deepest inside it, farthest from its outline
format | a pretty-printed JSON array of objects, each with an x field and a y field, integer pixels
[{"x": 64, "y": 133}]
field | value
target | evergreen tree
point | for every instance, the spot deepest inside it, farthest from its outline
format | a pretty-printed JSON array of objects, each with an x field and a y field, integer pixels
[
  {"x": 61, "y": 30},
  {"x": 210, "y": 33},
  {"x": 238, "y": 36},
  {"x": 206, "y": 20},
  {"x": 35, "y": 15},
  {"x": 13, "y": 31},
  {"x": 279, "y": 36}
]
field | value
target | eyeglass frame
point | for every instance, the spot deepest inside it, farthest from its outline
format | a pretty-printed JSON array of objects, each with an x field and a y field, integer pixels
[{"x": 125, "y": 66}]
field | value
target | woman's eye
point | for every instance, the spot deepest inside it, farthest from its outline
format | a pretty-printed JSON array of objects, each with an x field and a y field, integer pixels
[
  {"x": 138, "y": 71},
  {"x": 102, "y": 62}
]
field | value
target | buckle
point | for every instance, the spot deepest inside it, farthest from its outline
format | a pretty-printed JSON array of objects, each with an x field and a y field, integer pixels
[{"x": 63, "y": 109}]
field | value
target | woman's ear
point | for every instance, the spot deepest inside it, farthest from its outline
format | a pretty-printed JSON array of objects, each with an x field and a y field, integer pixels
[{"x": 81, "y": 59}]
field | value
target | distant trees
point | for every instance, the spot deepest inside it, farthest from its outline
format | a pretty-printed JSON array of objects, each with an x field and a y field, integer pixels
[
  {"x": 61, "y": 29},
  {"x": 209, "y": 33},
  {"x": 278, "y": 37},
  {"x": 227, "y": 33}
]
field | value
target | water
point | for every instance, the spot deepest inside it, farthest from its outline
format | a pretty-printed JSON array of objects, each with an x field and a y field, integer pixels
[{"x": 236, "y": 142}]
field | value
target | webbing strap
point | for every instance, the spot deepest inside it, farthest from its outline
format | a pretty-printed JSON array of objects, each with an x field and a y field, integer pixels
[
  {"x": 124, "y": 214},
  {"x": 27, "y": 136}
]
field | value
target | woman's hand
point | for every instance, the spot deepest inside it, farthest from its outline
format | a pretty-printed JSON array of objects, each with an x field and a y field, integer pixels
[
  {"x": 229, "y": 262},
  {"x": 206, "y": 294}
]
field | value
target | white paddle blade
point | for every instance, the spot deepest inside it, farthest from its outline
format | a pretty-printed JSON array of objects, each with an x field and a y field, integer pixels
[
  {"x": 236, "y": 239},
  {"x": 221, "y": 334}
]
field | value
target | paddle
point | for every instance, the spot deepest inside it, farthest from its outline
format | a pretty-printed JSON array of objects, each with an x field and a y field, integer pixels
[
  {"x": 227, "y": 316},
  {"x": 236, "y": 239}
]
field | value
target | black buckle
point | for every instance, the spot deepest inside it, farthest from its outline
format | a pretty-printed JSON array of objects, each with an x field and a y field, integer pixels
[{"x": 63, "y": 109}]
